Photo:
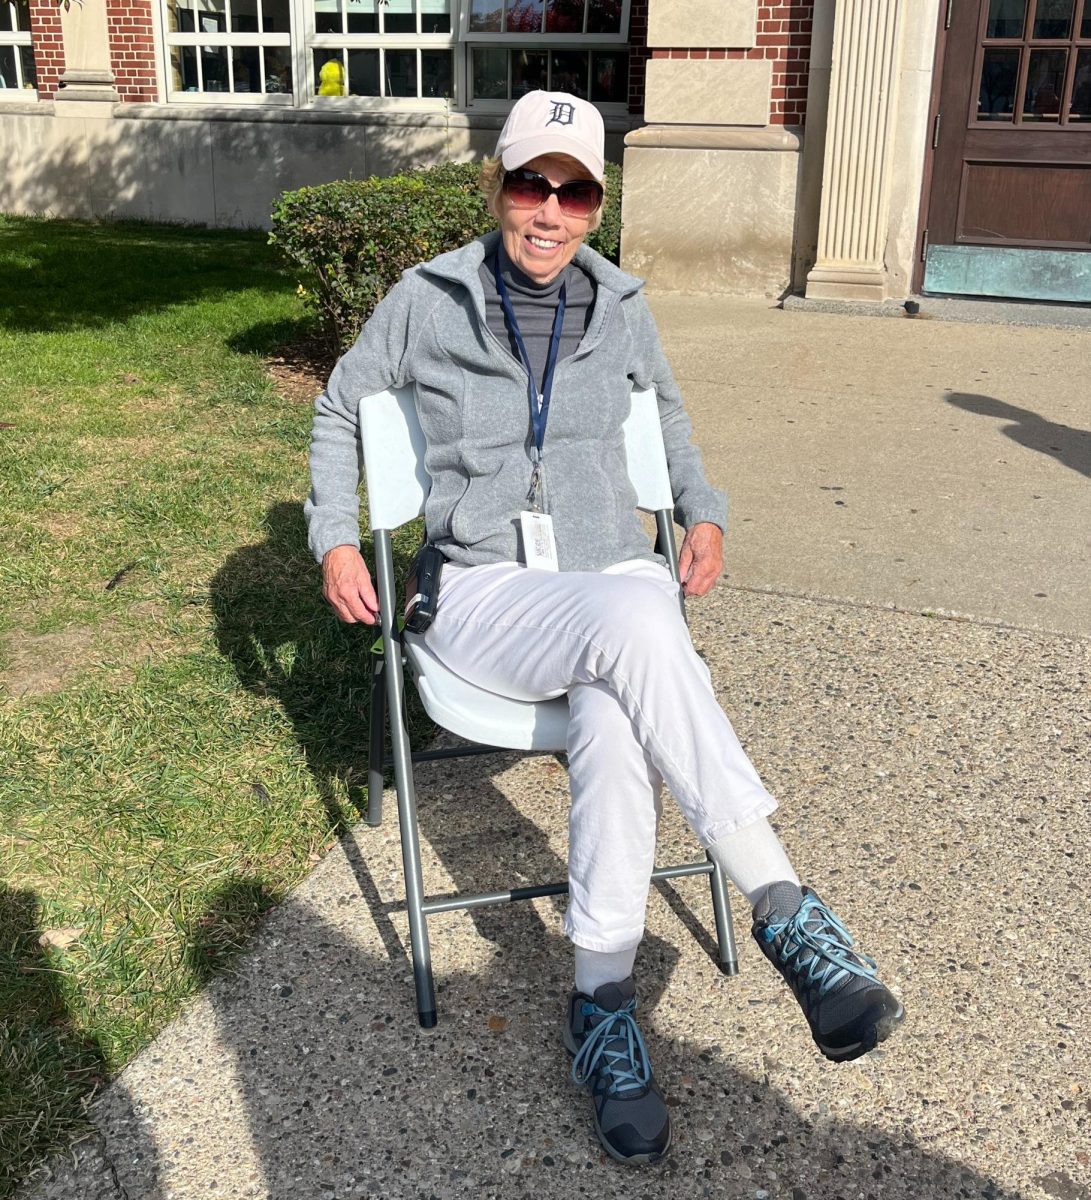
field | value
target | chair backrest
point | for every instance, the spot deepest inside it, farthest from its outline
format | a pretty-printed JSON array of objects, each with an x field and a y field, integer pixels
[{"x": 398, "y": 484}]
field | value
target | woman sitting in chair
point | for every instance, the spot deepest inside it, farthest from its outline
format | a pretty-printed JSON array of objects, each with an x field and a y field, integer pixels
[{"x": 524, "y": 346}]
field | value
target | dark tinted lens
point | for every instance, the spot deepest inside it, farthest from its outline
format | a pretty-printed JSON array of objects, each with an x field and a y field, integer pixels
[
  {"x": 579, "y": 197},
  {"x": 526, "y": 189}
]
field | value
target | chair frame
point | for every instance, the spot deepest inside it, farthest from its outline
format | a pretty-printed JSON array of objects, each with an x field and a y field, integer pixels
[{"x": 388, "y": 701}]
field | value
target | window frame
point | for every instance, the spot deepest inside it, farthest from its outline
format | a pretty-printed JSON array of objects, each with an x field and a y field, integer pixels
[
  {"x": 381, "y": 41},
  {"x": 302, "y": 40},
  {"x": 173, "y": 39},
  {"x": 17, "y": 38}
]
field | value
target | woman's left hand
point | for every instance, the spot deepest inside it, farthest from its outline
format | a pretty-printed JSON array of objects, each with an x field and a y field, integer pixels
[{"x": 701, "y": 559}]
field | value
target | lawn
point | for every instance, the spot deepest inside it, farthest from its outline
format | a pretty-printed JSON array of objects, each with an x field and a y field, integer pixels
[{"x": 181, "y": 719}]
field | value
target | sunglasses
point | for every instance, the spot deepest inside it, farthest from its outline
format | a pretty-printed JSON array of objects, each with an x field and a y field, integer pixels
[{"x": 528, "y": 189}]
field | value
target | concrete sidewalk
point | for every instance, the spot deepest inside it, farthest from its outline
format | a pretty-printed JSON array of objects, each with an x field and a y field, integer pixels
[{"x": 934, "y": 776}]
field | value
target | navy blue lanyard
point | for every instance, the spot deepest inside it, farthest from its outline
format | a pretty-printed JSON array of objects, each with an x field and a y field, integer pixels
[{"x": 539, "y": 402}]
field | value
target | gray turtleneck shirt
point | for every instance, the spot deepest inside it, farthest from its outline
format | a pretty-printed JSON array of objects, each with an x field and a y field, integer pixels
[{"x": 535, "y": 305}]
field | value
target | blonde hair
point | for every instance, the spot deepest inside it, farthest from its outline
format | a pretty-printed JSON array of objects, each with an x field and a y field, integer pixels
[{"x": 491, "y": 181}]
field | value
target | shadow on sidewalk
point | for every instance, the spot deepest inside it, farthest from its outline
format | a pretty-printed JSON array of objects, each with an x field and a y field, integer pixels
[
  {"x": 302, "y": 1074},
  {"x": 336, "y": 1092},
  {"x": 1070, "y": 447}
]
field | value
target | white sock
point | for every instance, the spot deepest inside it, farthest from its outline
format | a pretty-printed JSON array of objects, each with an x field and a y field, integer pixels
[
  {"x": 596, "y": 967},
  {"x": 753, "y": 859}
]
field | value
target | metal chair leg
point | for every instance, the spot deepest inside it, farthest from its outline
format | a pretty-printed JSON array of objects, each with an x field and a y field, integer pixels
[
  {"x": 403, "y": 782},
  {"x": 376, "y": 744},
  {"x": 725, "y": 931}
]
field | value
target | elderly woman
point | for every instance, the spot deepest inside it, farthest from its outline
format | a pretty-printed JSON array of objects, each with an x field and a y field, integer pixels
[{"x": 524, "y": 346}]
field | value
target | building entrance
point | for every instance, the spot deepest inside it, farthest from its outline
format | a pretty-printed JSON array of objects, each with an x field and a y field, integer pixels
[{"x": 1009, "y": 202}]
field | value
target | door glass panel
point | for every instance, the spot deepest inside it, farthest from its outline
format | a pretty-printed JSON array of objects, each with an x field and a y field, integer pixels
[
  {"x": 524, "y": 16},
  {"x": 564, "y": 16},
  {"x": 327, "y": 16},
  {"x": 400, "y": 16},
  {"x": 485, "y": 18},
  {"x": 999, "y": 79},
  {"x": 610, "y": 76},
  {"x": 435, "y": 16},
  {"x": 490, "y": 73},
  {"x": 570, "y": 72},
  {"x": 278, "y": 70},
  {"x": 363, "y": 77},
  {"x": 7, "y": 17},
  {"x": 528, "y": 72},
  {"x": 1085, "y": 28},
  {"x": 1053, "y": 19},
  {"x": 1006, "y": 18},
  {"x": 435, "y": 69},
  {"x": 363, "y": 16},
  {"x": 1081, "y": 88},
  {"x": 1045, "y": 83}
]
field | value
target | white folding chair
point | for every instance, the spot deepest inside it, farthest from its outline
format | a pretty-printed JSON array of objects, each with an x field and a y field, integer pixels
[{"x": 397, "y": 486}]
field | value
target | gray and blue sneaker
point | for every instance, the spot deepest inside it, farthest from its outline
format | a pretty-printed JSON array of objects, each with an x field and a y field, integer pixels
[
  {"x": 631, "y": 1117},
  {"x": 849, "y": 1011}
]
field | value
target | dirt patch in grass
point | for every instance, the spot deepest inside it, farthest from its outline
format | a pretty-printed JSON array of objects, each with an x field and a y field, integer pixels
[
  {"x": 300, "y": 372},
  {"x": 44, "y": 663}
]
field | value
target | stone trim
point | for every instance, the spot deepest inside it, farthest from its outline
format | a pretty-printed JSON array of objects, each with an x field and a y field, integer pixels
[{"x": 717, "y": 137}]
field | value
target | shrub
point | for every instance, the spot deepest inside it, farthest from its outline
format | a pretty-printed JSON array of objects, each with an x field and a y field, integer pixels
[{"x": 351, "y": 240}]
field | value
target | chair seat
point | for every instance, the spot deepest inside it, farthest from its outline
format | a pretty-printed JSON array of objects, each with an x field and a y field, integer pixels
[{"x": 471, "y": 712}]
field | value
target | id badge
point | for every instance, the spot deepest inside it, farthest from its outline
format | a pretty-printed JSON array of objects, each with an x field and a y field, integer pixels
[{"x": 539, "y": 544}]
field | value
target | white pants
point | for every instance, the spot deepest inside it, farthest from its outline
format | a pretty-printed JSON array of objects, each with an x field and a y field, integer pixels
[{"x": 642, "y": 712}]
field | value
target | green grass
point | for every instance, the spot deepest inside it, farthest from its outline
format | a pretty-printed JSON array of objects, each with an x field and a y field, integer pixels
[{"x": 181, "y": 719}]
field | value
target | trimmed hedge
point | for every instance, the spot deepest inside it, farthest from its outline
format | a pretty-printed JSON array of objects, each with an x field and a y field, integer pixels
[{"x": 352, "y": 240}]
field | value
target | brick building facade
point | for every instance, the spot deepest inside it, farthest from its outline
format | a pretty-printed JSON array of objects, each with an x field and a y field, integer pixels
[{"x": 205, "y": 110}]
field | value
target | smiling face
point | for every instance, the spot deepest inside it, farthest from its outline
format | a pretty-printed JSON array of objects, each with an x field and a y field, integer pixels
[{"x": 543, "y": 241}]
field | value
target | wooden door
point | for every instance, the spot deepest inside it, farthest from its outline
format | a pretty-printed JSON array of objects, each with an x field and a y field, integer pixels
[{"x": 1009, "y": 206}]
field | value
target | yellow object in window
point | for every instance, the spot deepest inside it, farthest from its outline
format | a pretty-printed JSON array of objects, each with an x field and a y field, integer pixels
[{"x": 331, "y": 78}]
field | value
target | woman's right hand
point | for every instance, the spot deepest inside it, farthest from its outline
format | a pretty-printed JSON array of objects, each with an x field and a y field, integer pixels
[{"x": 346, "y": 584}]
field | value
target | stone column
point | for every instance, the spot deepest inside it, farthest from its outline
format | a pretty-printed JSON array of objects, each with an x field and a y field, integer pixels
[
  {"x": 854, "y": 216},
  {"x": 87, "y": 75},
  {"x": 710, "y": 183}
]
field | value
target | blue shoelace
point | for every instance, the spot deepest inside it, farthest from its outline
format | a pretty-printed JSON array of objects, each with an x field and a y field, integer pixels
[
  {"x": 615, "y": 1048},
  {"x": 831, "y": 958}
]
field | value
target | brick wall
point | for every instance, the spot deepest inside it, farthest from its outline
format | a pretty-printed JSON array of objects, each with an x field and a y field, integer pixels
[
  {"x": 48, "y": 43},
  {"x": 638, "y": 53},
  {"x": 784, "y": 38},
  {"x": 132, "y": 48}
]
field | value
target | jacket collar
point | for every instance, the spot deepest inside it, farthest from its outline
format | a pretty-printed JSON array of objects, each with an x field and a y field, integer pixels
[{"x": 462, "y": 266}]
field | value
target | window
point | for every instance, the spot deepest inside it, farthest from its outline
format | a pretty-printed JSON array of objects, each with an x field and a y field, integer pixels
[
  {"x": 577, "y": 46},
  {"x": 243, "y": 47},
  {"x": 400, "y": 49},
  {"x": 17, "y": 74},
  {"x": 1035, "y": 64},
  {"x": 408, "y": 54}
]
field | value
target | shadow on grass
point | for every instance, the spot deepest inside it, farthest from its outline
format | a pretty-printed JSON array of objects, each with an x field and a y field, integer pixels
[
  {"x": 284, "y": 642},
  {"x": 47, "y": 1064},
  {"x": 71, "y": 275}
]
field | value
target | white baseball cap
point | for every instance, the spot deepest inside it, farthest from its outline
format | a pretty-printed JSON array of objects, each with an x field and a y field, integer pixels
[{"x": 553, "y": 123}]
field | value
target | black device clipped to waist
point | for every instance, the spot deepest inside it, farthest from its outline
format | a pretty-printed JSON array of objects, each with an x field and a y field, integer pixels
[{"x": 423, "y": 589}]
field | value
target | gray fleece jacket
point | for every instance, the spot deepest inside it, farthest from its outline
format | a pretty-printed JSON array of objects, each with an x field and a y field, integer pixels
[{"x": 431, "y": 330}]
